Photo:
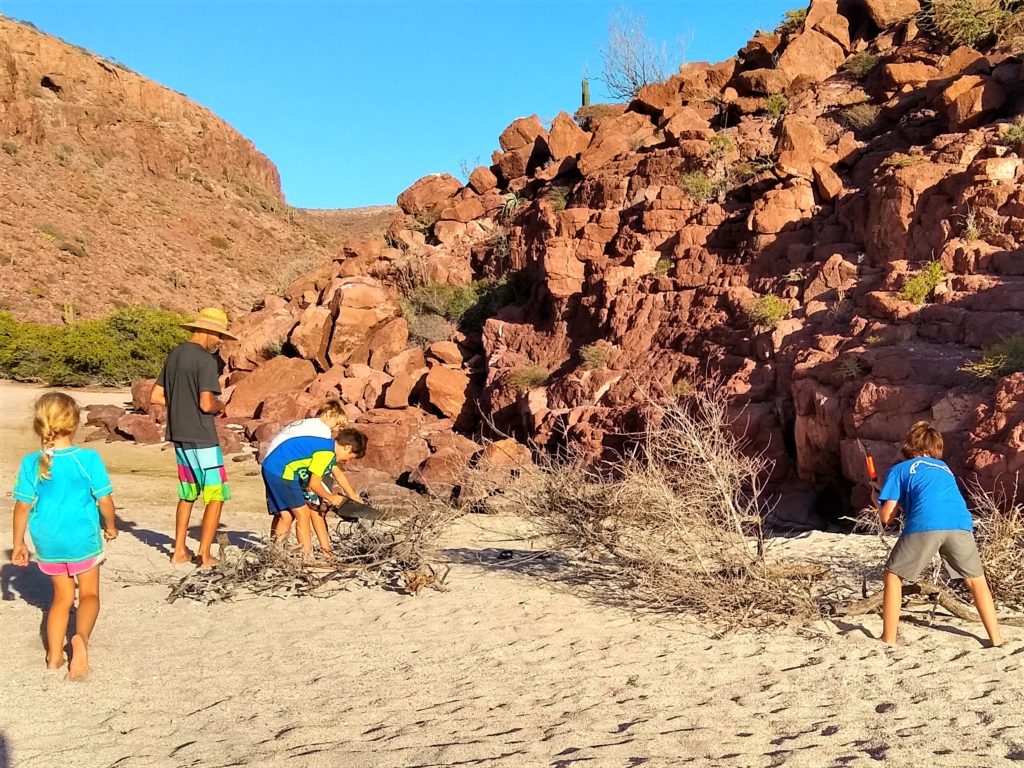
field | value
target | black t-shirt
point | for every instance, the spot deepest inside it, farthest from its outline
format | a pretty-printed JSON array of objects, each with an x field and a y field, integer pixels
[{"x": 189, "y": 370}]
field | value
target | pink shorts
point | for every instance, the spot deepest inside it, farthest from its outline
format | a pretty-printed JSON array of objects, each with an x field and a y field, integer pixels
[{"x": 69, "y": 569}]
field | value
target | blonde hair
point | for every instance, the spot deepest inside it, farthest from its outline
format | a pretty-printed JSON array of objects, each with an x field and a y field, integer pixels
[
  {"x": 57, "y": 415},
  {"x": 923, "y": 440},
  {"x": 332, "y": 413}
]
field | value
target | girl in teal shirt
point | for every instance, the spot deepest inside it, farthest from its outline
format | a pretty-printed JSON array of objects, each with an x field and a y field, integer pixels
[{"x": 60, "y": 495}]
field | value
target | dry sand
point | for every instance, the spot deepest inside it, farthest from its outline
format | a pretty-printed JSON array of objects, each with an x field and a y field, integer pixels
[{"x": 514, "y": 666}]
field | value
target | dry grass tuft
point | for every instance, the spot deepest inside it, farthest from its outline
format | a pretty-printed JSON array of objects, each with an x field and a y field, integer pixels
[{"x": 679, "y": 520}]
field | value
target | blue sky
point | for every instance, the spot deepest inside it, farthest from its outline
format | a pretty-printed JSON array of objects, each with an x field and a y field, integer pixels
[{"x": 356, "y": 99}]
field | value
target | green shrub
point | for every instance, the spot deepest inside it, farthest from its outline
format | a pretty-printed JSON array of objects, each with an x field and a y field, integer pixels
[
  {"x": 922, "y": 285},
  {"x": 851, "y": 367},
  {"x": 592, "y": 115},
  {"x": 529, "y": 376},
  {"x": 745, "y": 170},
  {"x": 775, "y": 105},
  {"x": 792, "y": 21},
  {"x": 767, "y": 311},
  {"x": 468, "y": 306},
  {"x": 900, "y": 160},
  {"x": 128, "y": 344},
  {"x": 558, "y": 196},
  {"x": 721, "y": 145},
  {"x": 219, "y": 242},
  {"x": 51, "y": 230},
  {"x": 861, "y": 117},
  {"x": 1000, "y": 359},
  {"x": 1014, "y": 135},
  {"x": 699, "y": 187},
  {"x": 427, "y": 328},
  {"x": 11, "y": 149},
  {"x": 860, "y": 64},
  {"x": 424, "y": 221},
  {"x": 684, "y": 388},
  {"x": 663, "y": 267},
  {"x": 513, "y": 203},
  {"x": 967, "y": 22},
  {"x": 448, "y": 301},
  {"x": 595, "y": 356}
]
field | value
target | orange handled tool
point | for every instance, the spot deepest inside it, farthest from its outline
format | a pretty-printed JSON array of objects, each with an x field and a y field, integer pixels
[{"x": 871, "y": 468}]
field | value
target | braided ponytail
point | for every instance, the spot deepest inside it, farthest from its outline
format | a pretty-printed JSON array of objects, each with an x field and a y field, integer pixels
[{"x": 56, "y": 416}]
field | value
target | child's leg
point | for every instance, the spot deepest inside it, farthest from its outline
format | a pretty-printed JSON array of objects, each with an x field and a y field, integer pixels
[
  {"x": 320, "y": 526},
  {"x": 211, "y": 521},
  {"x": 986, "y": 607},
  {"x": 892, "y": 603},
  {"x": 302, "y": 528},
  {"x": 281, "y": 526},
  {"x": 182, "y": 515},
  {"x": 85, "y": 620},
  {"x": 57, "y": 619}
]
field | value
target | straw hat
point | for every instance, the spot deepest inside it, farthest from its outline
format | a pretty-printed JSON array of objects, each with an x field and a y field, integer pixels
[{"x": 213, "y": 320}]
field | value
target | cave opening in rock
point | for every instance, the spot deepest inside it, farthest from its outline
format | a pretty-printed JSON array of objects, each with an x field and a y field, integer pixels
[{"x": 47, "y": 83}]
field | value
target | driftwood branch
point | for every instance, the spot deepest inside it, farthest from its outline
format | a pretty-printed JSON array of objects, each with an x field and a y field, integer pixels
[{"x": 921, "y": 591}]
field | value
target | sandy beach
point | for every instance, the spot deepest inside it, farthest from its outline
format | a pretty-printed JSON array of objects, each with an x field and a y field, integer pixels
[{"x": 515, "y": 665}]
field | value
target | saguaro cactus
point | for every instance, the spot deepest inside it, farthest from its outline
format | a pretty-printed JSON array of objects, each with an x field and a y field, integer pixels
[{"x": 586, "y": 92}]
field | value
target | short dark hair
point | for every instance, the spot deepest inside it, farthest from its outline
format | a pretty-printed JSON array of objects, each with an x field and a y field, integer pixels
[
  {"x": 923, "y": 440},
  {"x": 354, "y": 439}
]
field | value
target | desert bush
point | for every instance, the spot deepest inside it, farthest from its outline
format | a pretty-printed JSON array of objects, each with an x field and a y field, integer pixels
[
  {"x": 513, "y": 203},
  {"x": 631, "y": 59},
  {"x": 767, "y": 311},
  {"x": 128, "y": 344},
  {"x": 860, "y": 64},
  {"x": 663, "y": 267},
  {"x": 467, "y": 306},
  {"x": 721, "y": 145},
  {"x": 527, "y": 377},
  {"x": 492, "y": 295},
  {"x": 700, "y": 187},
  {"x": 792, "y": 21},
  {"x": 999, "y": 359},
  {"x": 744, "y": 170},
  {"x": 922, "y": 285},
  {"x": 558, "y": 196},
  {"x": 861, "y": 117},
  {"x": 999, "y": 531},
  {"x": 678, "y": 522},
  {"x": 967, "y": 22},
  {"x": 595, "y": 356},
  {"x": 51, "y": 230},
  {"x": 425, "y": 329},
  {"x": 592, "y": 115},
  {"x": 900, "y": 160},
  {"x": 775, "y": 105},
  {"x": 424, "y": 221},
  {"x": 11, "y": 148},
  {"x": 219, "y": 242},
  {"x": 1014, "y": 135},
  {"x": 851, "y": 367},
  {"x": 448, "y": 301}
]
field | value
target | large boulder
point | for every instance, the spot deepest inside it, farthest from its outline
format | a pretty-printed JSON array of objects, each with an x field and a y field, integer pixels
[
  {"x": 885, "y": 13},
  {"x": 969, "y": 99},
  {"x": 482, "y": 179},
  {"x": 281, "y": 374},
  {"x": 359, "y": 306},
  {"x": 313, "y": 334},
  {"x": 258, "y": 334},
  {"x": 614, "y": 137},
  {"x": 428, "y": 193},
  {"x": 522, "y": 132},
  {"x": 446, "y": 390},
  {"x": 566, "y": 138},
  {"x": 104, "y": 416},
  {"x": 781, "y": 209},
  {"x": 812, "y": 56},
  {"x": 141, "y": 428},
  {"x": 142, "y": 394},
  {"x": 799, "y": 147}
]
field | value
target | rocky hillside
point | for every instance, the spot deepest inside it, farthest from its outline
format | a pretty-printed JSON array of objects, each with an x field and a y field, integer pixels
[
  {"x": 117, "y": 190},
  {"x": 828, "y": 227}
]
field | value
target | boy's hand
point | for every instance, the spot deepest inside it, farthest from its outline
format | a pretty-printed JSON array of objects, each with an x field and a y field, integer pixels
[
  {"x": 336, "y": 500},
  {"x": 20, "y": 555},
  {"x": 110, "y": 533}
]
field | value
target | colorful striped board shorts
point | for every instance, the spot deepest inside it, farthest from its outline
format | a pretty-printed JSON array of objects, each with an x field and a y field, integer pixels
[{"x": 201, "y": 470}]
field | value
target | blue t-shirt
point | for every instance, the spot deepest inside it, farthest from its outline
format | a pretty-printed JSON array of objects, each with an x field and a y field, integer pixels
[
  {"x": 301, "y": 449},
  {"x": 64, "y": 521},
  {"x": 926, "y": 490}
]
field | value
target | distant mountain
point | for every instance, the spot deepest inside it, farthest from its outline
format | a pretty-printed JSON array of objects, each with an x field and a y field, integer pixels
[{"x": 117, "y": 190}]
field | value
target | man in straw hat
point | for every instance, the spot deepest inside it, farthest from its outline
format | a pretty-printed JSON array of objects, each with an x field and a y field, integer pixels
[{"x": 188, "y": 385}]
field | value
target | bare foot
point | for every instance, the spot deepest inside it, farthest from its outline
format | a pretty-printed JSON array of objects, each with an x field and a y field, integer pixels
[
  {"x": 208, "y": 562},
  {"x": 57, "y": 664},
  {"x": 79, "y": 666},
  {"x": 179, "y": 558}
]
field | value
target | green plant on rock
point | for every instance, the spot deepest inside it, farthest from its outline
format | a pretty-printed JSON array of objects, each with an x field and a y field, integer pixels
[
  {"x": 744, "y": 170},
  {"x": 999, "y": 359},
  {"x": 424, "y": 221},
  {"x": 922, "y": 285},
  {"x": 861, "y": 117},
  {"x": 792, "y": 21},
  {"x": 683, "y": 388},
  {"x": 968, "y": 22},
  {"x": 448, "y": 301},
  {"x": 1014, "y": 135},
  {"x": 663, "y": 267},
  {"x": 699, "y": 186},
  {"x": 527, "y": 377},
  {"x": 51, "y": 231},
  {"x": 775, "y": 105},
  {"x": 901, "y": 160},
  {"x": 851, "y": 367},
  {"x": 513, "y": 202},
  {"x": 860, "y": 64},
  {"x": 558, "y": 196},
  {"x": 721, "y": 145},
  {"x": 595, "y": 356},
  {"x": 768, "y": 311}
]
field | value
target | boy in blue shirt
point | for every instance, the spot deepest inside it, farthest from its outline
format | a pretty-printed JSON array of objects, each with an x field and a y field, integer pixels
[{"x": 936, "y": 520}]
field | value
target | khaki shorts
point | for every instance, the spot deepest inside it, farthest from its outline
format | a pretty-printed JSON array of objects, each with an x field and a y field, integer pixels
[{"x": 914, "y": 551}]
